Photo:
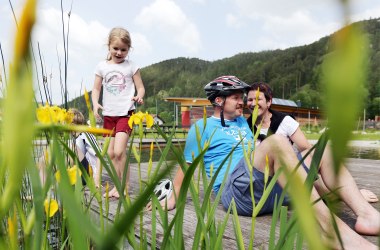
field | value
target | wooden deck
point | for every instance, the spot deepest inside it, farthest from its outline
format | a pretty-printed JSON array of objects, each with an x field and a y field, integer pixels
[{"x": 365, "y": 172}]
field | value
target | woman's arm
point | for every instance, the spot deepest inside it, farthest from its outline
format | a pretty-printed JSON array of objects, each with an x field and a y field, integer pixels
[{"x": 300, "y": 140}]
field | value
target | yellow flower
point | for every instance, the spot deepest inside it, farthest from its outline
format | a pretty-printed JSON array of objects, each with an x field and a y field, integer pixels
[
  {"x": 134, "y": 119},
  {"x": 150, "y": 163},
  {"x": 26, "y": 23},
  {"x": 53, "y": 114},
  {"x": 87, "y": 99},
  {"x": 43, "y": 114},
  {"x": 257, "y": 94},
  {"x": 151, "y": 151},
  {"x": 211, "y": 170},
  {"x": 90, "y": 170},
  {"x": 46, "y": 156},
  {"x": 140, "y": 117},
  {"x": 266, "y": 170},
  {"x": 69, "y": 117},
  {"x": 71, "y": 172},
  {"x": 51, "y": 207},
  {"x": 90, "y": 112},
  {"x": 61, "y": 115},
  {"x": 107, "y": 189},
  {"x": 85, "y": 128},
  {"x": 12, "y": 231}
]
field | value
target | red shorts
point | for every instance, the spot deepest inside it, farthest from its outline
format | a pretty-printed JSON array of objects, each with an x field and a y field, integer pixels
[{"x": 117, "y": 124}]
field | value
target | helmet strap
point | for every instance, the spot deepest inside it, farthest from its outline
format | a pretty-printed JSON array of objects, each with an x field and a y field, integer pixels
[
  {"x": 221, "y": 113},
  {"x": 222, "y": 119}
]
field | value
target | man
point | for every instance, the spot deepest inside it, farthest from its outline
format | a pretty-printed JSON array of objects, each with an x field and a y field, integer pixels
[{"x": 227, "y": 129}]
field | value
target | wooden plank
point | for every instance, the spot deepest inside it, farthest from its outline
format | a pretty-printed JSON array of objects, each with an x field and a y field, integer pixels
[{"x": 365, "y": 172}]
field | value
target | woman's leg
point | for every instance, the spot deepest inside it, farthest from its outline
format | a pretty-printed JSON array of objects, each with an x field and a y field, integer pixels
[{"x": 280, "y": 154}]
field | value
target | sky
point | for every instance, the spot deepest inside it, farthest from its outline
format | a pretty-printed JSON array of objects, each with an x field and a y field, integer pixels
[{"x": 167, "y": 29}]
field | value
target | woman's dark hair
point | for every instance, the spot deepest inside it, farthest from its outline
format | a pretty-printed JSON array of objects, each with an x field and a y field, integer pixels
[{"x": 263, "y": 88}]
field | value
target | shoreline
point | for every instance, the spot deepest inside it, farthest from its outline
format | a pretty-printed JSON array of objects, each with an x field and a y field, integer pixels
[{"x": 359, "y": 144}]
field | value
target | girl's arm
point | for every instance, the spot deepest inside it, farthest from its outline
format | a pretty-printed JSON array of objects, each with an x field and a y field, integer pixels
[
  {"x": 95, "y": 95},
  {"x": 139, "y": 87}
]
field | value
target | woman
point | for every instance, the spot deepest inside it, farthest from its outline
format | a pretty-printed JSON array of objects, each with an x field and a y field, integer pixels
[{"x": 274, "y": 122}]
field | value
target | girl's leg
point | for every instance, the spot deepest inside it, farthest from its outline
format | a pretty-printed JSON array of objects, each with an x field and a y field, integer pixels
[
  {"x": 111, "y": 154},
  {"x": 119, "y": 159}
]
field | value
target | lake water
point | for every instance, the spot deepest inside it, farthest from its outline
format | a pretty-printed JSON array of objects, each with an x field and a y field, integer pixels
[
  {"x": 365, "y": 153},
  {"x": 355, "y": 152}
]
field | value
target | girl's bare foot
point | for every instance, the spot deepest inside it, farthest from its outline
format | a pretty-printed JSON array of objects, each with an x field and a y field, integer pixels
[
  {"x": 111, "y": 193},
  {"x": 116, "y": 194},
  {"x": 369, "y": 195}
]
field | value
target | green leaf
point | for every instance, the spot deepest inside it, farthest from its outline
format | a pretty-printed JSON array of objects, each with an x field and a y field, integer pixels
[
  {"x": 18, "y": 113},
  {"x": 344, "y": 79},
  {"x": 237, "y": 227}
]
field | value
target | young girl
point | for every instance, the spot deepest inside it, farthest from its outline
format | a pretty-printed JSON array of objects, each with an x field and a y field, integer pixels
[{"x": 119, "y": 77}]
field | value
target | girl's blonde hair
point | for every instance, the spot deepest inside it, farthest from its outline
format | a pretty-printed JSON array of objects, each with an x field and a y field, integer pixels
[
  {"x": 120, "y": 33},
  {"x": 78, "y": 117}
]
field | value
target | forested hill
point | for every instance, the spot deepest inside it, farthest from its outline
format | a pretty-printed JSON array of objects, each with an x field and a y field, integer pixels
[{"x": 293, "y": 73}]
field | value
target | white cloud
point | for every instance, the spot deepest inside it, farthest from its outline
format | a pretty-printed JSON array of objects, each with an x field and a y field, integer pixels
[
  {"x": 233, "y": 21},
  {"x": 284, "y": 24},
  {"x": 366, "y": 14},
  {"x": 83, "y": 35},
  {"x": 199, "y": 1},
  {"x": 87, "y": 46},
  {"x": 140, "y": 45},
  {"x": 261, "y": 9},
  {"x": 297, "y": 29},
  {"x": 166, "y": 17}
]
